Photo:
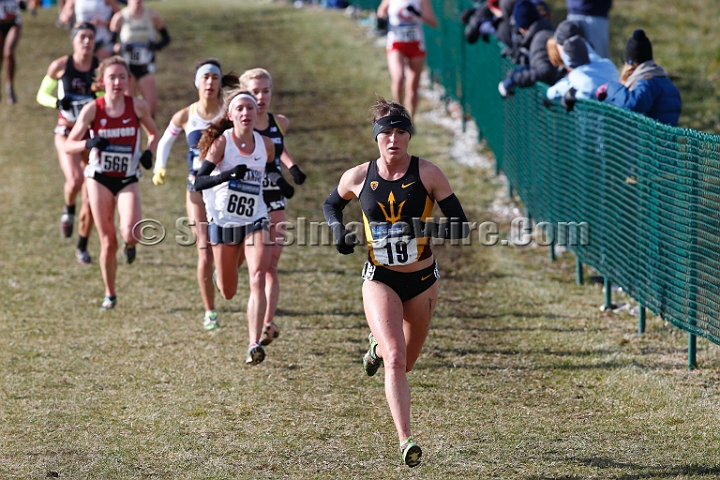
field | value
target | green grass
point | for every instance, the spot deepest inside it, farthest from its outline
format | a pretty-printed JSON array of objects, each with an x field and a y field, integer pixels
[{"x": 522, "y": 377}]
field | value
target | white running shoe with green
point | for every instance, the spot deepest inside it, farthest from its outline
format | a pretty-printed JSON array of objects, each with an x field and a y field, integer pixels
[{"x": 210, "y": 322}]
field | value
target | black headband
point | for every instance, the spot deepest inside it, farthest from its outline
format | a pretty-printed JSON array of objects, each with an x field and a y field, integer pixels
[
  {"x": 392, "y": 121},
  {"x": 82, "y": 26}
]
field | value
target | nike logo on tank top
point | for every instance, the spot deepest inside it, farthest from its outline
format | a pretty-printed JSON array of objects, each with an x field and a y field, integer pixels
[{"x": 390, "y": 209}]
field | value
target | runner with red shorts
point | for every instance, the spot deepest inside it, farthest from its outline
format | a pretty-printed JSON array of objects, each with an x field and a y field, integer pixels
[{"x": 406, "y": 46}]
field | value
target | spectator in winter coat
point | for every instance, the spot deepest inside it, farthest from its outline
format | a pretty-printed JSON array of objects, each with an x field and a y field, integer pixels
[
  {"x": 593, "y": 15},
  {"x": 534, "y": 33},
  {"x": 645, "y": 86},
  {"x": 565, "y": 30},
  {"x": 584, "y": 76}
]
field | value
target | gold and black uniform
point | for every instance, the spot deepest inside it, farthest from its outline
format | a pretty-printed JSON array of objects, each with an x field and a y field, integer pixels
[{"x": 392, "y": 211}]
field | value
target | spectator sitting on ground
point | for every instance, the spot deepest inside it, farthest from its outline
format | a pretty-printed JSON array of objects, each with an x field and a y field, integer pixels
[
  {"x": 593, "y": 15},
  {"x": 565, "y": 30},
  {"x": 645, "y": 86},
  {"x": 584, "y": 76},
  {"x": 535, "y": 32}
]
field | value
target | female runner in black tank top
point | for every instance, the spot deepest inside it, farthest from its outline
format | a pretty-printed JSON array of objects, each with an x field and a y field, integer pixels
[
  {"x": 10, "y": 29},
  {"x": 258, "y": 82},
  {"x": 397, "y": 193},
  {"x": 73, "y": 76}
]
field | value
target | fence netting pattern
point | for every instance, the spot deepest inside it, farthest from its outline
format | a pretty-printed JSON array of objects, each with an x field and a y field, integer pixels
[{"x": 649, "y": 192}]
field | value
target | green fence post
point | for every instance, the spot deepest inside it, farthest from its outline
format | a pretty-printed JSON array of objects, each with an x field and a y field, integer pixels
[
  {"x": 578, "y": 271},
  {"x": 608, "y": 293},
  {"x": 692, "y": 351},
  {"x": 641, "y": 318},
  {"x": 552, "y": 252}
]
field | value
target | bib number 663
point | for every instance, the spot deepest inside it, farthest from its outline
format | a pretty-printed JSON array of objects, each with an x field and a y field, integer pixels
[{"x": 240, "y": 205}]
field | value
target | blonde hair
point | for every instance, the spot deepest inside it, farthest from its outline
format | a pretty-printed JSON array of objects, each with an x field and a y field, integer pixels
[
  {"x": 255, "y": 74},
  {"x": 553, "y": 53},
  {"x": 627, "y": 71},
  {"x": 97, "y": 86}
]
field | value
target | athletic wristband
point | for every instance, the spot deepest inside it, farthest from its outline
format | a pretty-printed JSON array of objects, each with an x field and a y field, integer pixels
[
  {"x": 457, "y": 226},
  {"x": 333, "y": 211}
]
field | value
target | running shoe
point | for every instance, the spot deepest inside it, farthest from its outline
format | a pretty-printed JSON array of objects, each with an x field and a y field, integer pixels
[
  {"x": 256, "y": 354},
  {"x": 83, "y": 257},
  {"x": 371, "y": 362},
  {"x": 66, "y": 224},
  {"x": 211, "y": 320},
  {"x": 12, "y": 99},
  {"x": 270, "y": 332},
  {"x": 108, "y": 303},
  {"x": 411, "y": 453},
  {"x": 130, "y": 253}
]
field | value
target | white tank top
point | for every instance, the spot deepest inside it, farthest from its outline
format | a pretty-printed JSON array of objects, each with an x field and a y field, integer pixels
[
  {"x": 238, "y": 202},
  {"x": 135, "y": 35},
  {"x": 404, "y": 26},
  {"x": 193, "y": 132},
  {"x": 91, "y": 10}
]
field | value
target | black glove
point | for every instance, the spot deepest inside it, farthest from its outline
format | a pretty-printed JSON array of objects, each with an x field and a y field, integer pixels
[
  {"x": 23, "y": 5},
  {"x": 64, "y": 103},
  {"x": 414, "y": 11},
  {"x": 285, "y": 188},
  {"x": 298, "y": 176},
  {"x": 235, "y": 173},
  {"x": 568, "y": 100},
  {"x": 346, "y": 240},
  {"x": 382, "y": 25},
  {"x": 466, "y": 14},
  {"x": 152, "y": 46},
  {"x": 101, "y": 143},
  {"x": 146, "y": 159}
]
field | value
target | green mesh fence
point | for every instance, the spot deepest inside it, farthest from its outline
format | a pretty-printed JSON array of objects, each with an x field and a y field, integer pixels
[
  {"x": 365, "y": 4},
  {"x": 649, "y": 192}
]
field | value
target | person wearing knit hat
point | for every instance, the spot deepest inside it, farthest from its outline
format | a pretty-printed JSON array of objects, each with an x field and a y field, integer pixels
[
  {"x": 638, "y": 48},
  {"x": 525, "y": 13},
  {"x": 529, "y": 50},
  {"x": 584, "y": 76},
  {"x": 594, "y": 17},
  {"x": 565, "y": 30},
  {"x": 644, "y": 86}
]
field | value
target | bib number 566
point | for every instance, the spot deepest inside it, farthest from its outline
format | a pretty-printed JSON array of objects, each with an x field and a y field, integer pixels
[{"x": 115, "y": 163}]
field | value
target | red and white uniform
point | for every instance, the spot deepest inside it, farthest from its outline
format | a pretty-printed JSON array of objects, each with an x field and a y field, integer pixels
[
  {"x": 10, "y": 12},
  {"x": 121, "y": 158},
  {"x": 405, "y": 29}
]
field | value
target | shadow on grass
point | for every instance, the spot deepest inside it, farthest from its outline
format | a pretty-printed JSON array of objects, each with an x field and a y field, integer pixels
[{"x": 671, "y": 471}]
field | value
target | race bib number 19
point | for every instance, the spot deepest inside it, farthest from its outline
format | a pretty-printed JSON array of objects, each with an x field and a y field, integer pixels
[{"x": 391, "y": 246}]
